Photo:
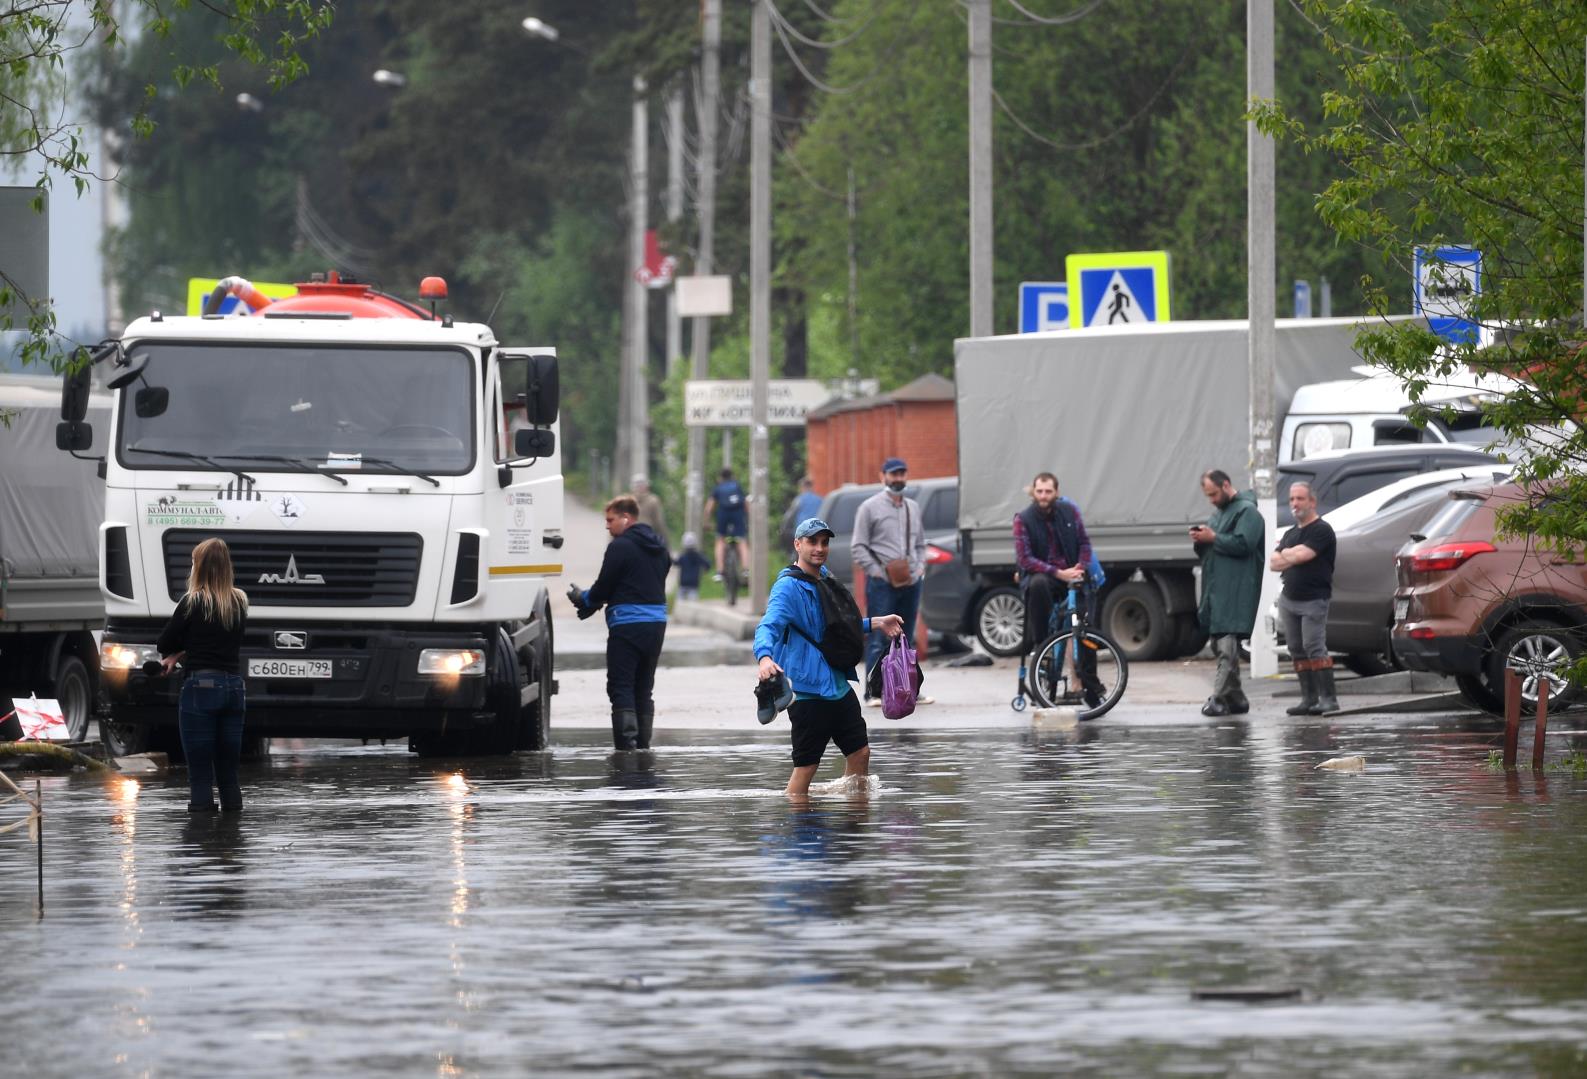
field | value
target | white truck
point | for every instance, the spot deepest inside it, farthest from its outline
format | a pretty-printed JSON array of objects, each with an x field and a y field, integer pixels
[
  {"x": 50, "y": 509},
  {"x": 389, "y": 483},
  {"x": 1128, "y": 418}
]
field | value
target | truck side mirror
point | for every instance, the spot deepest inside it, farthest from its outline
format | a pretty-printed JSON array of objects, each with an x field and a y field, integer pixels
[
  {"x": 130, "y": 373},
  {"x": 74, "y": 389},
  {"x": 534, "y": 442},
  {"x": 151, "y": 401},
  {"x": 74, "y": 436},
  {"x": 544, "y": 391}
]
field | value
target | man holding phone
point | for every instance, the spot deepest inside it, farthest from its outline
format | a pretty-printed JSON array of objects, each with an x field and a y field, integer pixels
[{"x": 1230, "y": 547}]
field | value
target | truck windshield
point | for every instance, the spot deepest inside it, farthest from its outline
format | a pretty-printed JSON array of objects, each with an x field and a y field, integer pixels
[{"x": 281, "y": 407}]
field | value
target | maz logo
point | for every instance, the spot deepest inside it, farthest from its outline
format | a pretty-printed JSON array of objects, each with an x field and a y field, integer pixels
[{"x": 291, "y": 576}]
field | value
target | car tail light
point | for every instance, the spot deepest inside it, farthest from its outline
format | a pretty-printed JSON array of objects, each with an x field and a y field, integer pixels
[
  {"x": 1446, "y": 556},
  {"x": 1422, "y": 633},
  {"x": 936, "y": 555}
]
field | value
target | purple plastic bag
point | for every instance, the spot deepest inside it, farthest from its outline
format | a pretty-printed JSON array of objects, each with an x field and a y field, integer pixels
[{"x": 900, "y": 679}]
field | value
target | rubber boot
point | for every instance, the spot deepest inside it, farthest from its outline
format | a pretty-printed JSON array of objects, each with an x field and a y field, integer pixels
[
  {"x": 1326, "y": 699},
  {"x": 1238, "y": 704},
  {"x": 1308, "y": 689},
  {"x": 625, "y": 728},
  {"x": 1215, "y": 706},
  {"x": 647, "y": 723}
]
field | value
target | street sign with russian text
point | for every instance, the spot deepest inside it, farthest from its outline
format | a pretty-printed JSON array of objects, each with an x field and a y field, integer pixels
[{"x": 728, "y": 402}]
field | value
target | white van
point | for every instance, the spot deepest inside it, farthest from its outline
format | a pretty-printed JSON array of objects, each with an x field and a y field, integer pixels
[{"x": 1352, "y": 414}]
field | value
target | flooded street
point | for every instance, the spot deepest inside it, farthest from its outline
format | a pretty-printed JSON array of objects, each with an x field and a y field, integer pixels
[{"x": 1008, "y": 902}]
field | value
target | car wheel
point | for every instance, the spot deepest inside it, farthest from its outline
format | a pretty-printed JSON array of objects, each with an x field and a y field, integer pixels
[
  {"x": 1367, "y": 664},
  {"x": 1000, "y": 621},
  {"x": 1135, "y": 616},
  {"x": 1536, "y": 651},
  {"x": 1475, "y": 688},
  {"x": 74, "y": 691}
]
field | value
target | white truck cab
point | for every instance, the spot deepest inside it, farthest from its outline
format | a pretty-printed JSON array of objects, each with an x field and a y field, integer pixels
[
  {"x": 389, "y": 484},
  {"x": 1352, "y": 414}
]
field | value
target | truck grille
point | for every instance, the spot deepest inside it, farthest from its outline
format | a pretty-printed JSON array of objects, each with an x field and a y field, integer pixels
[{"x": 308, "y": 569}]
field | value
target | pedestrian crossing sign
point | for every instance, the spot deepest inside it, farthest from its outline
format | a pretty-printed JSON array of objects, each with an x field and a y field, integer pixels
[{"x": 1117, "y": 288}]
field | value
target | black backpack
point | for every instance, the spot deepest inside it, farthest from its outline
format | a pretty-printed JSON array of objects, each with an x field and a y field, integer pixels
[{"x": 842, "y": 644}]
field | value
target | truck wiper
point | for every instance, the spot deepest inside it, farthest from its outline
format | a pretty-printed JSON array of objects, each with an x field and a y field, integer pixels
[
  {"x": 392, "y": 466},
  {"x": 298, "y": 464},
  {"x": 199, "y": 457}
]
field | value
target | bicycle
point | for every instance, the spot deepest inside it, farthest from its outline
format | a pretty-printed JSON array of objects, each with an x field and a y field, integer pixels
[
  {"x": 732, "y": 564},
  {"x": 1076, "y": 665}
]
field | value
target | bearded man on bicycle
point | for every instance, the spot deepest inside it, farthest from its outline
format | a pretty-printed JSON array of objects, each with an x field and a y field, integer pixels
[{"x": 1053, "y": 551}]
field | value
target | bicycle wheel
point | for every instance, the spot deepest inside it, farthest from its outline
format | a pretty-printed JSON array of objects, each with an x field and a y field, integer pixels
[
  {"x": 730, "y": 572},
  {"x": 1089, "y": 676}
]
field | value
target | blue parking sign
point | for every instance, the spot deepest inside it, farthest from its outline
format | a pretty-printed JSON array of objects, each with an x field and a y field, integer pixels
[{"x": 1043, "y": 305}]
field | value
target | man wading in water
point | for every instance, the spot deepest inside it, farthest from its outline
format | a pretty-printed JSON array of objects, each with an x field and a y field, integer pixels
[{"x": 794, "y": 639}]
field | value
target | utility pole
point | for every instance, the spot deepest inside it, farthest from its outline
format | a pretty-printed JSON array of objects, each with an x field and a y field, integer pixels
[
  {"x": 638, "y": 419},
  {"x": 759, "y": 294},
  {"x": 700, "y": 338},
  {"x": 674, "y": 215},
  {"x": 980, "y": 167},
  {"x": 1262, "y": 274}
]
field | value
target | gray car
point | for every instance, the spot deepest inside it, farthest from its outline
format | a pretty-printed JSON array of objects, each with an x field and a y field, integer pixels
[{"x": 1361, "y": 612}]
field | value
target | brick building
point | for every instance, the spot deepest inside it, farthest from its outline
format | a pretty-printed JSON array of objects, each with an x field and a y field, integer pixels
[{"x": 846, "y": 441}]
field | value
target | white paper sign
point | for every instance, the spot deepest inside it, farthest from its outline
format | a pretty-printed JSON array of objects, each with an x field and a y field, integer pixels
[{"x": 41, "y": 721}]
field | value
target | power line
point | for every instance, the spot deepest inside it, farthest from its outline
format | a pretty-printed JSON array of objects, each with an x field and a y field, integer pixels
[
  {"x": 817, "y": 42},
  {"x": 778, "y": 23},
  {"x": 1058, "y": 20},
  {"x": 1117, "y": 130}
]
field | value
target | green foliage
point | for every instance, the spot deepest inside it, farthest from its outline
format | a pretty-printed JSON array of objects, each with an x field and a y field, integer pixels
[
  {"x": 37, "y": 41},
  {"x": 1460, "y": 121}
]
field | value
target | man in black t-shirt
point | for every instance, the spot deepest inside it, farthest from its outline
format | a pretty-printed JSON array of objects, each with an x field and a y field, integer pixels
[{"x": 1305, "y": 558}]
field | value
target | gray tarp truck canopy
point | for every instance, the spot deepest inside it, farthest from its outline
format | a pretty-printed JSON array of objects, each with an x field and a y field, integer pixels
[
  {"x": 51, "y": 503},
  {"x": 1128, "y": 419}
]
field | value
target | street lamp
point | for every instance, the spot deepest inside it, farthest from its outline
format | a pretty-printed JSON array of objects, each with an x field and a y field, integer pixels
[
  {"x": 540, "y": 29},
  {"x": 394, "y": 79},
  {"x": 248, "y": 103},
  {"x": 633, "y": 424}
]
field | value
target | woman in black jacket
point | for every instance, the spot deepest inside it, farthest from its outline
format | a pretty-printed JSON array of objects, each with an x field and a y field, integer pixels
[{"x": 205, "y": 634}]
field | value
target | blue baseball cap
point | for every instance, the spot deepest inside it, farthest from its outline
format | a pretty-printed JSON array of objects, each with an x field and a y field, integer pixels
[
  {"x": 811, "y": 526},
  {"x": 894, "y": 464}
]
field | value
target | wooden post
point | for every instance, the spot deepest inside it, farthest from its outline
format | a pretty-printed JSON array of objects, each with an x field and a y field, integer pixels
[
  {"x": 38, "y": 808},
  {"x": 1540, "y": 731},
  {"x": 1512, "y": 717}
]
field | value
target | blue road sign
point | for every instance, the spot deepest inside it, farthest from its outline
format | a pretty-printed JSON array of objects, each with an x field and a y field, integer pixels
[
  {"x": 1447, "y": 280},
  {"x": 1043, "y": 305},
  {"x": 1118, "y": 288},
  {"x": 1303, "y": 299}
]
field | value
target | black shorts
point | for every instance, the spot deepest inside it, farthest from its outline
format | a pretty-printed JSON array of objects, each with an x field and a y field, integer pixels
[{"x": 817, "y": 721}]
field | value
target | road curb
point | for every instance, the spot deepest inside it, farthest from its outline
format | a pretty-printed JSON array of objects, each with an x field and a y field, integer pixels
[
  {"x": 737, "y": 622},
  {"x": 725, "y": 655}
]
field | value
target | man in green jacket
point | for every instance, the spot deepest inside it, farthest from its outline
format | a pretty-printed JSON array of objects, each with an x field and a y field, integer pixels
[{"x": 1230, "y": 547}]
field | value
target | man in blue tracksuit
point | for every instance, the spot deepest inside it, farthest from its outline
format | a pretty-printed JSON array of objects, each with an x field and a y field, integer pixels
[
  {"x": 825, "y": 708},
  {"x": 632, "y": 587}
]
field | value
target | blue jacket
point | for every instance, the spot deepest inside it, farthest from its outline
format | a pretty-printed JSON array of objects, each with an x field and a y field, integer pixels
[{"x": 794, "y": 603}]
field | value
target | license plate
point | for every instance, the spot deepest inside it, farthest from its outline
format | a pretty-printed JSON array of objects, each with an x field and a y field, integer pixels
[
  {"x": 289, "y": 668},
  {"x": 1402, "y": 607}
]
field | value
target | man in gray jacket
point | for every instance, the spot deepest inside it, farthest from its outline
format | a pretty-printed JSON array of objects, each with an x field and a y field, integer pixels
[{"x": 889, "y": 544}]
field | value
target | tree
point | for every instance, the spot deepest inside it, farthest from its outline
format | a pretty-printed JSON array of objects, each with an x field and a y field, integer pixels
[
  {"x": 37, "y": 41},
  {"x": 1460, "y": 121}
]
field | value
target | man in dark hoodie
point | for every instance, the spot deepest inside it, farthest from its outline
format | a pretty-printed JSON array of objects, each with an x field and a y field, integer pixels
[
  {"x": 632, "y": 588},
  {"x": 1230, "y": 546}
]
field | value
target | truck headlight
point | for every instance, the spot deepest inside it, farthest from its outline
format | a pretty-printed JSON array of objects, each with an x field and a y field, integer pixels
[
  {"x": 451, "y": 661},
  {"x": 125, "y": 657}
]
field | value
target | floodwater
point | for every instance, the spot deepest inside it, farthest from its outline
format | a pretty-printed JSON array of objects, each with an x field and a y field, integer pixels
[{"x": 1011, "y": 902}]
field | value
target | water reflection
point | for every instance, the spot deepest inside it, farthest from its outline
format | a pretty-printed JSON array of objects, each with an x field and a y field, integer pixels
[{"x": 1001, "y": 903}]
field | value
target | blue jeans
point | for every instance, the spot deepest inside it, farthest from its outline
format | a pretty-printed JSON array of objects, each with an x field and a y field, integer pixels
[
  {"x": 210, "y": 714},
  {"x": 882, "y": 598}
]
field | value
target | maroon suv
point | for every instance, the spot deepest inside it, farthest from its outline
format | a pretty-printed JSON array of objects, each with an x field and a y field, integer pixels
[{"x": 1470, "y": 603}]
